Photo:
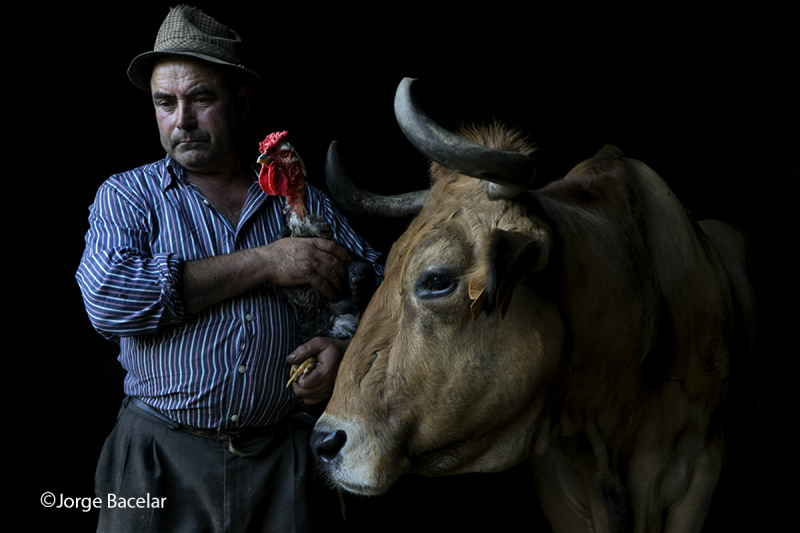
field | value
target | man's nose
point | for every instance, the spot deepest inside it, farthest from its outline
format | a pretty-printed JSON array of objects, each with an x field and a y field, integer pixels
[{"x": 186, "y": 118}]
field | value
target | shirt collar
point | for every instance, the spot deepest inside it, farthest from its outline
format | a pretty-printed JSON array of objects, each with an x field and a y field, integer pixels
[{"x": 174, "y": 173}]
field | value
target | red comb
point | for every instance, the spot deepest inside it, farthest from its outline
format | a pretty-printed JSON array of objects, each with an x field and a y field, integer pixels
[{"x": 271, "y": 140}]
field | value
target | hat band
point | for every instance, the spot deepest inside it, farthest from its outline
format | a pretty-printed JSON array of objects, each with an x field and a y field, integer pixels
[{"x": 193, "y": 47}]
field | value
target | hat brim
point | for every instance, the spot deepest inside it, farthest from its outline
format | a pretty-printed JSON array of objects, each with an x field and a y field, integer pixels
[{"x": 141, "y": 68}]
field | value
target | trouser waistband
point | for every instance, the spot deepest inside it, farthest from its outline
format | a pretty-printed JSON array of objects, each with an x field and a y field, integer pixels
[{"x": 235, "y": 439}]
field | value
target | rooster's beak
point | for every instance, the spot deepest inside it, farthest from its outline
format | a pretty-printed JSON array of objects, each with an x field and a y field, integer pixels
[{"x": 264, "y": 159}]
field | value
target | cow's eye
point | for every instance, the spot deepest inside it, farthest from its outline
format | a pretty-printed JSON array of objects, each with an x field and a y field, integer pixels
[{"x": 435, "y": 284}]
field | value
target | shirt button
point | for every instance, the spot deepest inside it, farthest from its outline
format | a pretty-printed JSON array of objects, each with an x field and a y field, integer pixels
[
  {"x": 248, "y": 317},
  {"x": 234, "y": 418},
  {"x": 242, "y": 369},
  {"x": 205, "y": 201}
]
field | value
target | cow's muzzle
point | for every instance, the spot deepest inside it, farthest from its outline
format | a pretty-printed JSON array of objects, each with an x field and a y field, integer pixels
[
  {"x": 327, "y": 445},
  {"x": 351, "y": 457}
]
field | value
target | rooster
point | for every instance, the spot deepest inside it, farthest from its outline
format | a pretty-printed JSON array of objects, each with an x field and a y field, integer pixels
[{"x": 283, "y": 173}]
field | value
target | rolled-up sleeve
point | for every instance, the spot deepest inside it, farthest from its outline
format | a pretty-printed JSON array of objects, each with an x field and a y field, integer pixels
[{"x": 126, "y": 289}]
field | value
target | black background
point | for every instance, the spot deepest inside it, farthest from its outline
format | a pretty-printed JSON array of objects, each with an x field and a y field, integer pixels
[{"x": 707, "y": 99}]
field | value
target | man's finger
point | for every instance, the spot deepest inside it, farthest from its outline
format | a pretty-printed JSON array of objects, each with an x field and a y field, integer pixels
[{"x": 332, "y": 247}]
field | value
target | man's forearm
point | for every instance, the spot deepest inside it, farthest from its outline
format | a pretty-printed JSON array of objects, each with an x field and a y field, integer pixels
[
  {"x": 318, "y": 263},
  {"x": 207, "y": 282}
]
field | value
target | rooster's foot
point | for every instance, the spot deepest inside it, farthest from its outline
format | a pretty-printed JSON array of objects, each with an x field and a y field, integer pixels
[{"x": 301, "y": 370}]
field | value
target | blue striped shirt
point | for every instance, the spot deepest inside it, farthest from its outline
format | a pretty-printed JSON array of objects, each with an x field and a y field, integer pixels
[{"x": 224, "y": 367}]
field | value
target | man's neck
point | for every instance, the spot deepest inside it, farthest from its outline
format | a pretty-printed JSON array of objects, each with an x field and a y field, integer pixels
[{"x": 226, "y": 190}]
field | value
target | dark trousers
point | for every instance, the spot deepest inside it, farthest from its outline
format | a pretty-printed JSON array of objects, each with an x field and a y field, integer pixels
[{"x": 154, "y": 475}]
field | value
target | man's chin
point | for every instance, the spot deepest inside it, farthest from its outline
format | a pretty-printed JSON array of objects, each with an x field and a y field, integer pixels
[{"x": 192, "y": 157}]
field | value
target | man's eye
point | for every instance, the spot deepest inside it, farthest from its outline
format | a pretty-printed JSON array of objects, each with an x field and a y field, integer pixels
[{"x": 203, "y": 101}]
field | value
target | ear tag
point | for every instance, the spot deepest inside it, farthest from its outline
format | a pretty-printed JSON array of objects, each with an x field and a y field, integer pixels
[{"x": 477, "y": 296}]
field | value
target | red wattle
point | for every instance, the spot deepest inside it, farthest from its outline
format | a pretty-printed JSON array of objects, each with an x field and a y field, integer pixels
[
  {"x": 275, "y": 179},
  {"x": 263, "y": 180}
]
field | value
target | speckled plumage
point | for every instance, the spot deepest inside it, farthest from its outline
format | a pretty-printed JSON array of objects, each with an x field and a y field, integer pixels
[
  {"x": 283, "y": 173},
  {"x": 316, "y": 315}
]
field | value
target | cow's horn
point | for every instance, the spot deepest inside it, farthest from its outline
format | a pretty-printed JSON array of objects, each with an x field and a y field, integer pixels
[
  {"x": 360, "y": 202},
  {"x": 510, "y": 172}
]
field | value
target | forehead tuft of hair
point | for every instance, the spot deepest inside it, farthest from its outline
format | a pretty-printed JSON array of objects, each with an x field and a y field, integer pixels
[{"x": 498, "y": 136}]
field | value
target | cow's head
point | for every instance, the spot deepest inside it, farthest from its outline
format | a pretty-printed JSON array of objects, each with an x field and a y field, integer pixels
[{"x": 448, "y": 370}]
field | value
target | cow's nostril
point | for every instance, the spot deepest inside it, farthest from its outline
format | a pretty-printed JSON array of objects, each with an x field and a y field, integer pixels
[{"x": 326, "y": 445}]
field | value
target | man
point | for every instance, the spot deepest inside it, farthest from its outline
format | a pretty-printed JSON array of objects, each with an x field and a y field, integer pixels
[{"x": 179, "y": 269}]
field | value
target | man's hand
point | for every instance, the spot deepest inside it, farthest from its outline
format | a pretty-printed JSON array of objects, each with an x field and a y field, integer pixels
[
  {"x": 319, "y": 263},
  {"x": 317, "y": 386}
]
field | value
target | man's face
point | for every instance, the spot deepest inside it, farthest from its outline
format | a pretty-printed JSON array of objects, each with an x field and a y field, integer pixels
[{"x": 196, "y": 113}]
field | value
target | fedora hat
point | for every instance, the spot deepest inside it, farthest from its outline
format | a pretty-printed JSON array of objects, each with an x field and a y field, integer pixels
[{"x": 187, "y": 31}]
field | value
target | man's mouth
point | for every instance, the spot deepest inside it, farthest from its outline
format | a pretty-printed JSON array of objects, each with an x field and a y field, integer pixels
[{"x": 187, "y": 141}]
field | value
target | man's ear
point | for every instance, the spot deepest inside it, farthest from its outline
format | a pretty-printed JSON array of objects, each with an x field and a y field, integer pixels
[{"x": 512, "y": 257}]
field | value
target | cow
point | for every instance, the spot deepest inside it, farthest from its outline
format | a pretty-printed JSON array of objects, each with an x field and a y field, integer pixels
[{"x": 585, "y": 328}]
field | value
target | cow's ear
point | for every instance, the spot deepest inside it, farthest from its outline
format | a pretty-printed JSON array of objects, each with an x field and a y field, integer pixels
[{"x": 512, "y": 257}]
